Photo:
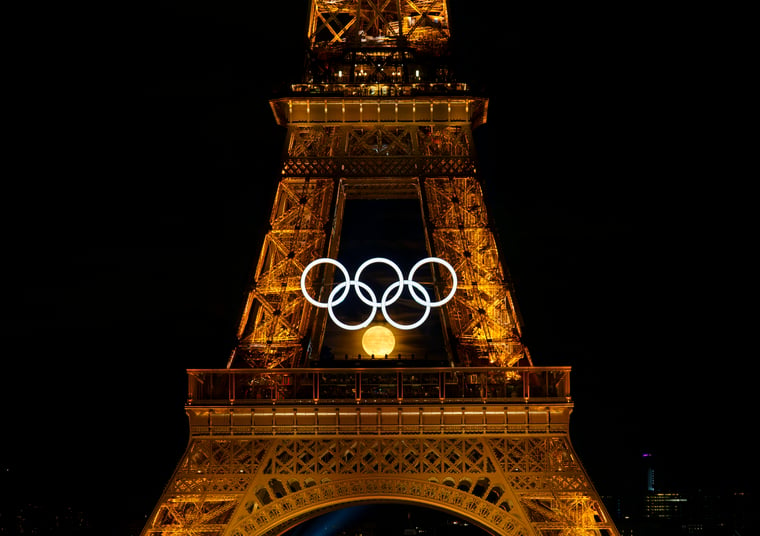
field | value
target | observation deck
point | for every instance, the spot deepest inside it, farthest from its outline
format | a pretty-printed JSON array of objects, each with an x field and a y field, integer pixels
[
  {"x": 388, "y": 400},
  {"x": 370, "y": 105}
]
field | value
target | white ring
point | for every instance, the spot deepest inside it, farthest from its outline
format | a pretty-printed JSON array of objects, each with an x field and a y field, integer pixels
[
  {"x": 453, "y": 281},
  {"x": 395, "y": 324},
  {"x": 350, "y": 327},
  {"x": 390, "y": 263},
  {"x": 346, "y": 285},
  {"x": 311, "y": 265}
]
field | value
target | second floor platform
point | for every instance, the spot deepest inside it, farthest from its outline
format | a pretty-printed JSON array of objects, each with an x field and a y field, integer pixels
[{"x": 387, "y": 385}]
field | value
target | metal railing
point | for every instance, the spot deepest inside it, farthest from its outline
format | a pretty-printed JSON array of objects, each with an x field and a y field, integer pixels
[
  {"x": 380, "y": 89},
  {"x": 378, "y": 385}
]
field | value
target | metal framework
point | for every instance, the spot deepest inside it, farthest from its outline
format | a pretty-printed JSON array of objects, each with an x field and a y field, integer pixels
[
  {"x": 271, "y": 448},
  {"x": 277, "y": 438},
  {"x": 340, "y": 148}
]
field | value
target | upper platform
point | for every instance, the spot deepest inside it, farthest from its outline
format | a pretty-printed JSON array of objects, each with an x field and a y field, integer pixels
[{"x": 310, "y": 108}]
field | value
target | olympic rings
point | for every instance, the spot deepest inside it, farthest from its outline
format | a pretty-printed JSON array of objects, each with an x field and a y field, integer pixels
[{"x": 341, "y": 290}]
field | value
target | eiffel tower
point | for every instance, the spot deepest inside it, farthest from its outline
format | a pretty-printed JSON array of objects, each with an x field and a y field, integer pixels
[{"x": 446, "y": 410}]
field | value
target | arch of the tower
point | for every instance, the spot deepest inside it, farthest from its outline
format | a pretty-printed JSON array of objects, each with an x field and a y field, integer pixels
[
  {"x": 294, "y": 526},
  {"x": 512, "y": 486},
  {"x": 459, "y": 498}
]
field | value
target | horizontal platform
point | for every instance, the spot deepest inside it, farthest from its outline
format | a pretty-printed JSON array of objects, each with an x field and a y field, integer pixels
[
  {"x": 410, "y": 418},
  {"x": 386, "y": 385},
  {"x": 434, "y": 109}
]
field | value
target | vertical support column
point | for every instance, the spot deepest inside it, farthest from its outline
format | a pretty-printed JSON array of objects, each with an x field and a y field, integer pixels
[
  {"x": 317, "y": 321},
  {"x": 428, "y": 225},
  {"x": 482, "y": 317},
  {"x": 276, "y": 315}
]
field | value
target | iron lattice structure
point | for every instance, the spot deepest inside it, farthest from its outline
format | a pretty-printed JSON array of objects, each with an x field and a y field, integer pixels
[{"x": 276, "y": 438}]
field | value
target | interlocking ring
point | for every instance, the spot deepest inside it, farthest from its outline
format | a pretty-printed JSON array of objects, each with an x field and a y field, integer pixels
[{"x": 341, "y": 290}]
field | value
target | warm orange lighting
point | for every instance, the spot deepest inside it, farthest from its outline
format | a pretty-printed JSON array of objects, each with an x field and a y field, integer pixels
[{"x": 378, "y": 340}]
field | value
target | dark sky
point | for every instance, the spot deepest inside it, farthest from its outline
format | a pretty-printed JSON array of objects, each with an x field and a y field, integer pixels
[{"x": 144, "y": 160}]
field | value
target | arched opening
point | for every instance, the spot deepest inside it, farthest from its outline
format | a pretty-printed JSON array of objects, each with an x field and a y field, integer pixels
[
  {"x": 381, "y": 519},
  {"x": 263, "y": 496},
  {"x": 277, "y": 487}
]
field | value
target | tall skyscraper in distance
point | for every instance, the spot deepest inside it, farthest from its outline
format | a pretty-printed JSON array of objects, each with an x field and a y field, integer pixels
[{"x": 648, "y": 460}]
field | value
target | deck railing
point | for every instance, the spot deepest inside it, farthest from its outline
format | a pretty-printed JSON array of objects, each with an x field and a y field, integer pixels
[
  {"x": 377, "y": 386},
  {"x": 380, "y": 89}
]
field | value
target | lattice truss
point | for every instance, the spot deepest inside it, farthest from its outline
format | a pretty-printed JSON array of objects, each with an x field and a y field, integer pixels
[
  {"x": 336, "y": 21},
  {"x": 353, "y": 150},
  {"x": 276, "y": 315},
  {"x": 482, "y": 315},
  {"x": 515, "y": 486},
  {"x": 379, "y": 139}
]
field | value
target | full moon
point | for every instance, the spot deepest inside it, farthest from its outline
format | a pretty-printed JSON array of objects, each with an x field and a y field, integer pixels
[{"x": 378, "y": 340}]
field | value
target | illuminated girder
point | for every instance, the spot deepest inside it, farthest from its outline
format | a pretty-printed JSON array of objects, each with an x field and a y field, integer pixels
[
  {"x": 275, "y": 317},
  {"x": 352, "y": 150},
  {"x": 482, "y": 315},
  {"x": 379, "y": 139},
  {"x": 377, "y": 41},
  {"x": 336, "y": 21},
  {"x": 260, "y": 468}
]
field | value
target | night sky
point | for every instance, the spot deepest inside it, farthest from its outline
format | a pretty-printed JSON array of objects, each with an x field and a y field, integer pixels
[{"x": 144, "y": 160}]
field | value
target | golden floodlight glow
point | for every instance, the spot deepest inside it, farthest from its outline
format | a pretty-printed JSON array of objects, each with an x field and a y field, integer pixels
[{"x": 378, "y": 340}]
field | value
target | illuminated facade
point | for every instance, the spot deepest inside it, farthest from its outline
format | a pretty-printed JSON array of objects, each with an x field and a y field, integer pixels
[
  {"x": 664, "y": 506},
  {"x": 281, "y": 435}
]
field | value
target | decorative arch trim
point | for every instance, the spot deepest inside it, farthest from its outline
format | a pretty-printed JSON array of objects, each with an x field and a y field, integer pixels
[{"x": 286, "y": 512}]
